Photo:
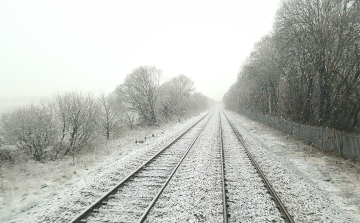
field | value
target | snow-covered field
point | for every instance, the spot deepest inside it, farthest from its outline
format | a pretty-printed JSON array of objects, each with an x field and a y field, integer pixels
[{"x": 330, "y": 184}]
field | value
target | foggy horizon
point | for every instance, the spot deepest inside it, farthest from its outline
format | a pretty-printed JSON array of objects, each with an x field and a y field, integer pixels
[{"x": 55, "y": 47}]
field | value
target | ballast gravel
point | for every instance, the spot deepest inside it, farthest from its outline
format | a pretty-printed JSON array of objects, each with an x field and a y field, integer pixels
[
  {"x": 304, "y": 200},
  {"x": 194, "y": 193},
  {"x": 145, "y": 184},
  {"x": 248, "y": 198}
]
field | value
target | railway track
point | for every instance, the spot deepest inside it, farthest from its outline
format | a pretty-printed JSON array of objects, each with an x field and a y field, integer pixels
[
  {"x": 132, "y": 198},
  {"x": 228, "y": 212},
  {"x": 223, "y": 177}
]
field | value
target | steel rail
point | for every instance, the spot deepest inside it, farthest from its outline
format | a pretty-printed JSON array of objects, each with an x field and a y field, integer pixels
[
  {"x": 98, "y": 202},
  {"x": 288, "y": 218},
  {"x": 225, "y": 212},
  {"x": 145, "y": 214}
]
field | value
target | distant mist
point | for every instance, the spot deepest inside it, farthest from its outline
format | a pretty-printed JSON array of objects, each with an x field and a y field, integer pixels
[{"x": 10, "y": 103}]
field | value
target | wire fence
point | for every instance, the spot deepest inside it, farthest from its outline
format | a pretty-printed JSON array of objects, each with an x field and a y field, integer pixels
[{"x": 345, "y": 144}]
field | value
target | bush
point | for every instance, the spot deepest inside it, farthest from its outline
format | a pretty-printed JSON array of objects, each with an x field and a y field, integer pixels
[{"x": 30, "y": 129}]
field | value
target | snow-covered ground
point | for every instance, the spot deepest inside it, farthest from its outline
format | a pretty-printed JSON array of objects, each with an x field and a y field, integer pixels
[
  {"x": 195, "y": 191},
  {"x": 333, "y": 178},
  {"x": 53, "y": 191}
]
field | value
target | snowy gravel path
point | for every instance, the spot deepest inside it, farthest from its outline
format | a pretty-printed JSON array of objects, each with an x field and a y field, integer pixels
[
  {"x": 304, "y": 200},
  {"x": 71, "y": 200}
]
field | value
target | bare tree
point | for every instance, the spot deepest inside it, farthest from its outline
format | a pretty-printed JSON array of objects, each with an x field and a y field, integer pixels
[
  {"x": 258, "y": 80},
  {"x": 309, "y": 65},
  {"x": 30, "y": 129},
  {"x": 129, "y": 115},
  {"x": 140, "y": 91},
  {"x": 109, "y": 115},
  {"x": 76, "y": 116},
  {"x": 182, "y": 85},
  {"x": 319, "y": 39},
  {"x": 174, "y": 96}
]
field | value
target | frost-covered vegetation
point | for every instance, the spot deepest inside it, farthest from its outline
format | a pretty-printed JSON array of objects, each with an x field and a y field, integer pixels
[
  {"x": 308, "y": 68},
  {"x": 67, "y": 124}
]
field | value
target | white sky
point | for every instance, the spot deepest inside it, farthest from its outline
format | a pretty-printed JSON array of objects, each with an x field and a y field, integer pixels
[{"x": 48, "y": 47}]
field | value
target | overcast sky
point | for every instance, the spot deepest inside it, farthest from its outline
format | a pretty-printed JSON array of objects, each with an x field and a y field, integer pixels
[{"x": 48, "y": 47}]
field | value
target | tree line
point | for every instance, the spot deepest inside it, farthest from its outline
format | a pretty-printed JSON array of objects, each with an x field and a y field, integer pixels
[
  {"x": 308, "y": 68},
  {"x": 67, "y": 123}
]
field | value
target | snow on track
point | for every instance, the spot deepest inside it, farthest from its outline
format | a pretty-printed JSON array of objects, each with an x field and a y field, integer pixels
[
  {"x": 304, "y": 200},
  {"x": 72, "y": 200},
  {"x": 194, "y": 193},
  {"x": 131, "y": 199},
  {"x": 248, "y": 198}
]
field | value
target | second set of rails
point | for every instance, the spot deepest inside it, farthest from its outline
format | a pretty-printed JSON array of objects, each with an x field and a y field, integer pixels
[
  {"x": 274, "y": 196},
  {"x": 132, "y": 199}
]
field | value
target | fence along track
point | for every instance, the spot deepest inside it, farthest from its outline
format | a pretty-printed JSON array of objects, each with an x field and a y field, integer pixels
[
  {"x": 112, "y": 194},
  {"x": 280, "y": 205},
  {"x": 345, "y": 144}
]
